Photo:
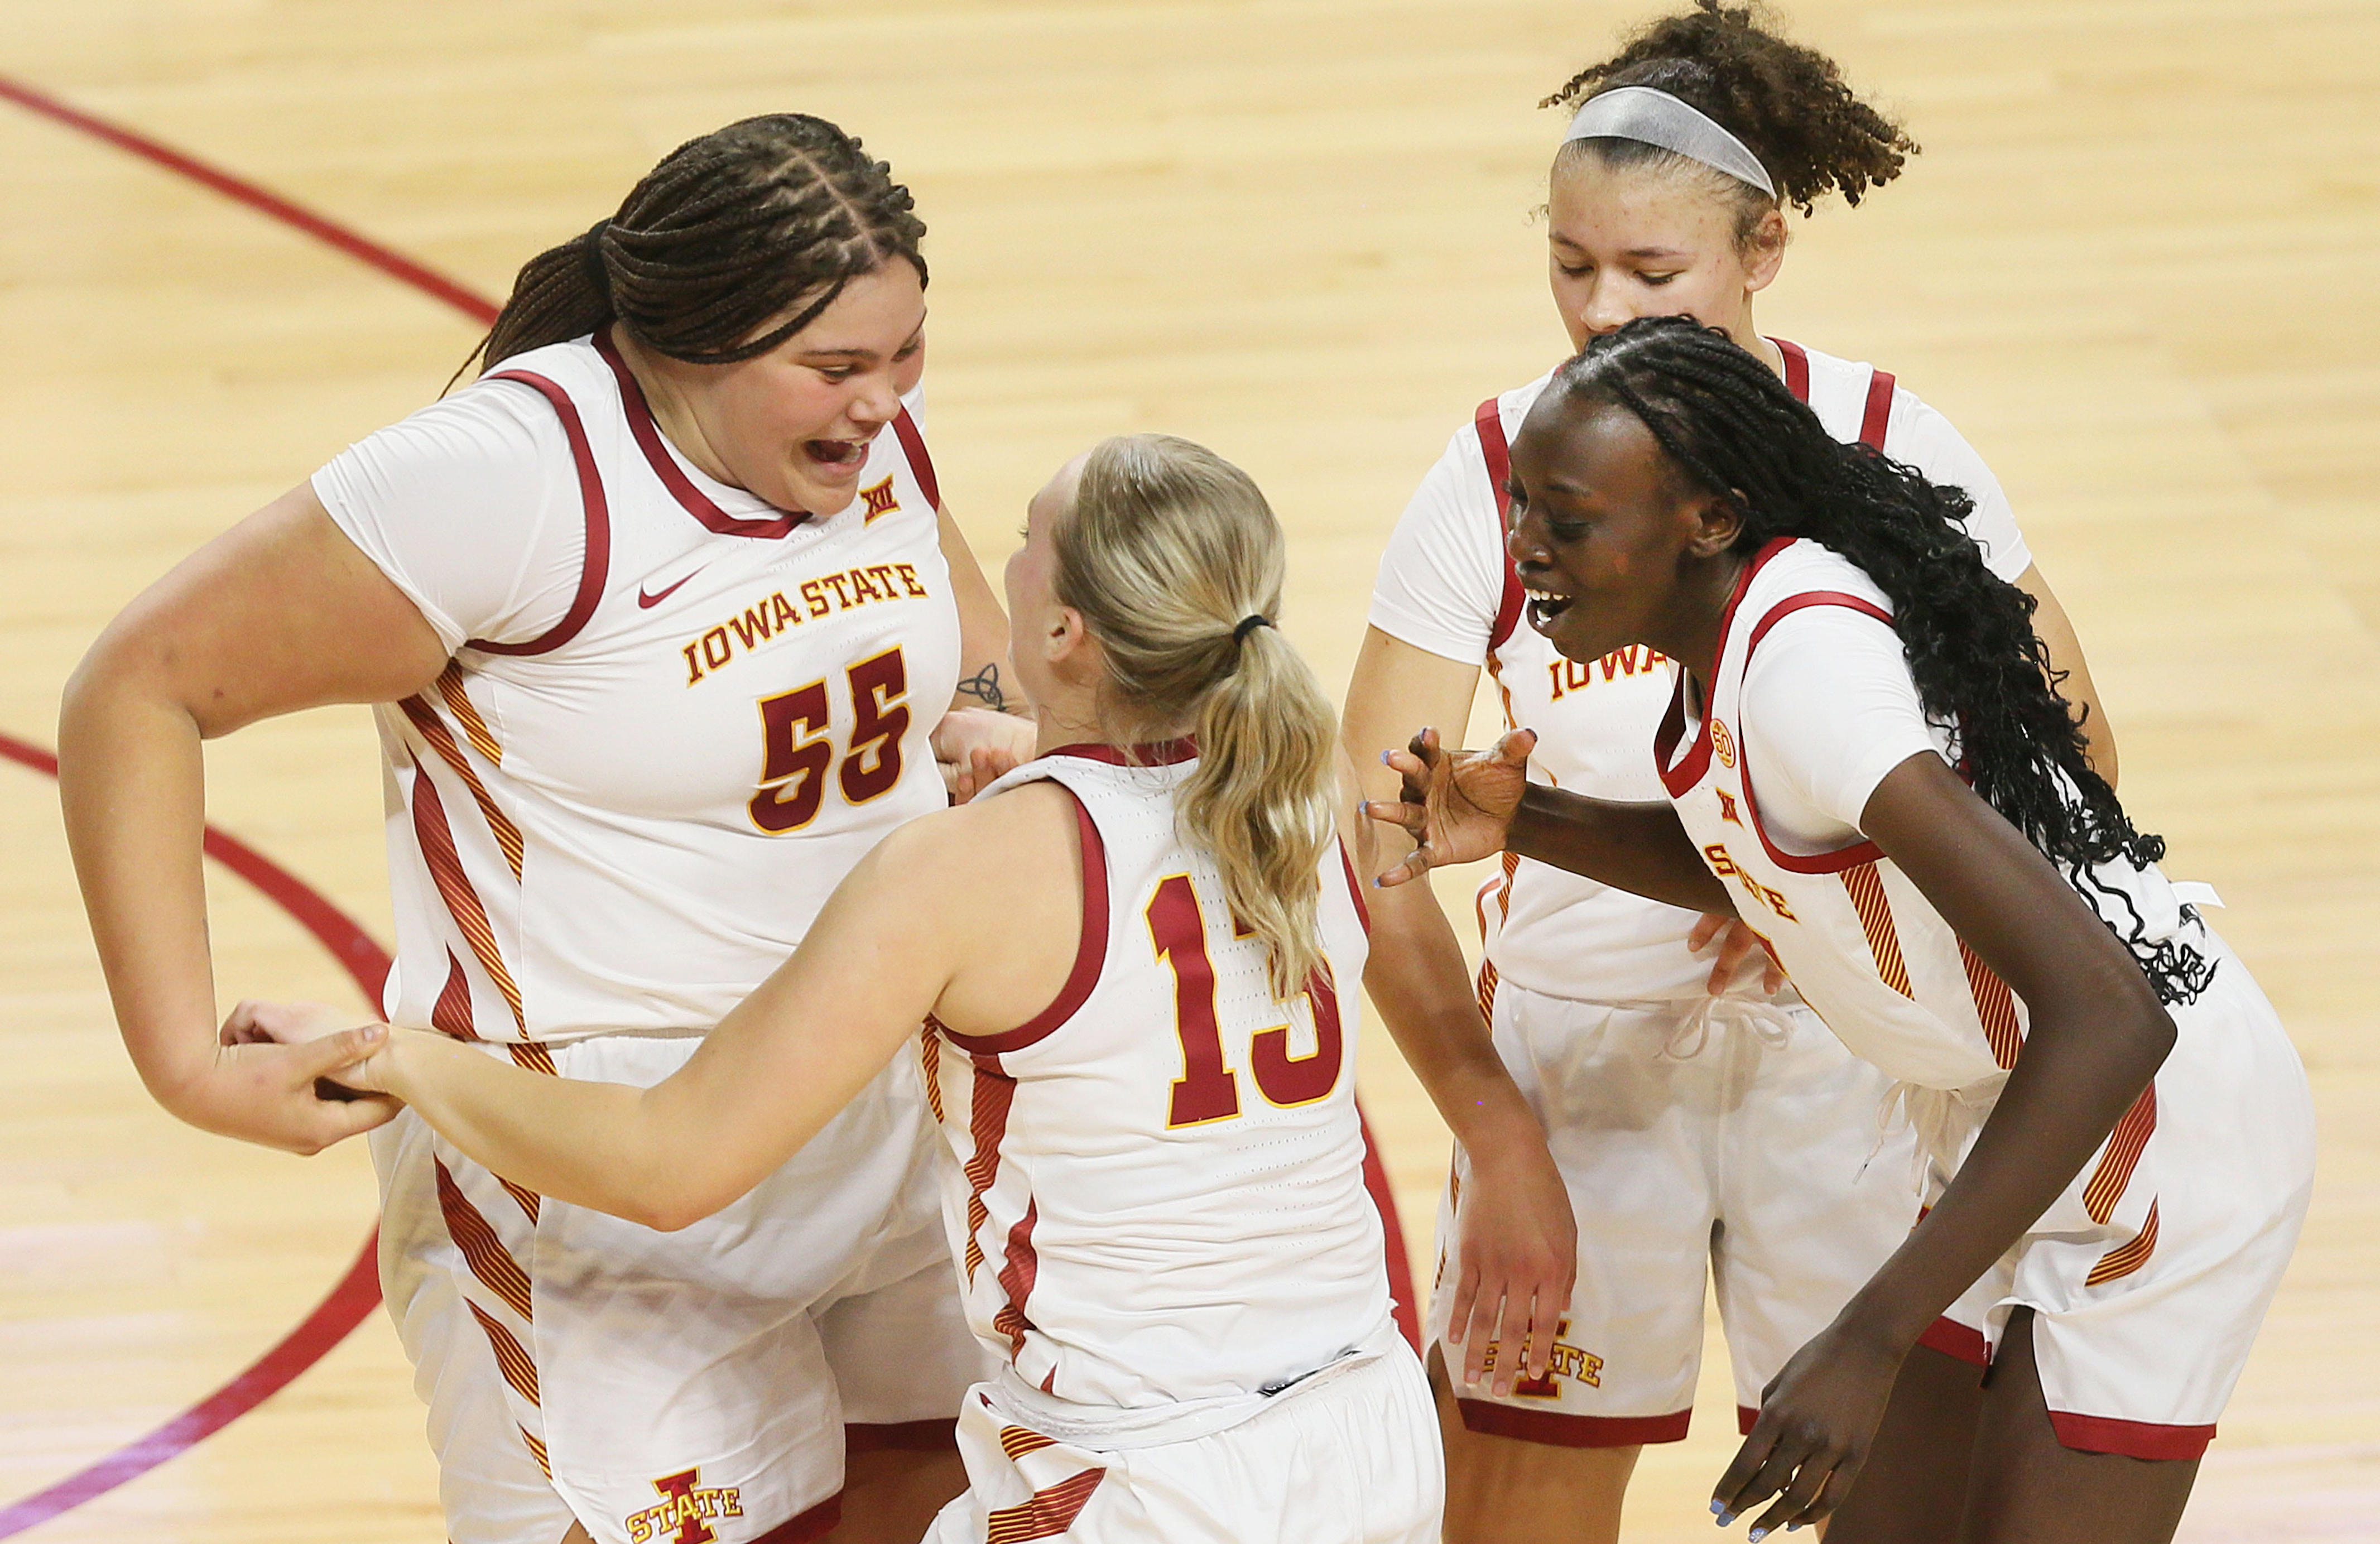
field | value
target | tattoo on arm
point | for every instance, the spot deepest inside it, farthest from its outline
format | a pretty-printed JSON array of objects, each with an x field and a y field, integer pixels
[{"x": 984, "y": 687}]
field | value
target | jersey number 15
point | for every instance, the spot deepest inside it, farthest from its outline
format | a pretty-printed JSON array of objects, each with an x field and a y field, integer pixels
[{"x": 1208, "y": 1090}]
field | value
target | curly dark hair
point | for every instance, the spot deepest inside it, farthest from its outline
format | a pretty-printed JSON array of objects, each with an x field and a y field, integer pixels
[
  {"x": 731, "y": 231},
  {"x": 1788, "y": 104},
  {"x": 1731, "y": 428}
]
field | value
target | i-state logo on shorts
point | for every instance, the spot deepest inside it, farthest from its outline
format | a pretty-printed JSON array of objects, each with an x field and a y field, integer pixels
[
  {"x": 1563, "y": 1361},
  {"x": 685, "y": 1503}
]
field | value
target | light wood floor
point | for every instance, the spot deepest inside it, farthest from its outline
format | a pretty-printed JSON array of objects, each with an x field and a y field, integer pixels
[{"x": 2135, "y": 265}]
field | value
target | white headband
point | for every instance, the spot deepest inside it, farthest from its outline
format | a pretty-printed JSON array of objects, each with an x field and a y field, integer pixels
[{"x": 1653, "y": 117}]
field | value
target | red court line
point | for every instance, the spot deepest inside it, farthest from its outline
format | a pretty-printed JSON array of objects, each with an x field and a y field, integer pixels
[
  {"x": 357, "y": 1292},
  {"x": 348, "y": 944},
  {"x": 332, "y": 1319},
  {"x": 268, "y": 204}
]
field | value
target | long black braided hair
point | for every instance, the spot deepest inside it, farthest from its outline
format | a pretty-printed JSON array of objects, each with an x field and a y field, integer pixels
[
  {"x": 732, "y": 231},
  {"x": 1731, "y": 427}
]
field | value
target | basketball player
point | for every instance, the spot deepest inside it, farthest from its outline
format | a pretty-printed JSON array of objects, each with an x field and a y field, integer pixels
[
  {"x": 1130, "y": 960},
  {"x": 1863, "y": 758},
  {"x": 663, "y": 616},
  {"x": 1690, "y": 1123}
]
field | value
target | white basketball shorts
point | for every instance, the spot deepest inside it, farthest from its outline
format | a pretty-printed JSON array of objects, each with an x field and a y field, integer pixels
[
  {"x": 1348, "y": 1455},
  {"x": 666, "y": 1386},
  {"x": 1719, "y": 1134},
  {"x": 2150, "y": 1277}
]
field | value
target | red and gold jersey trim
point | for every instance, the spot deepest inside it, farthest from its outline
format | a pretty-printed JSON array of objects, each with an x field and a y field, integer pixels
[
  {"x": 1875, "y": 910},
  {"x": 2122, "y": 1155},
  {"x": 436, "y": 839},
  {"x": 482, "y": 1250},
  {"x": 2125, "y": 1259},
  {"x": 1017, "y": 1273},
  {"x": 1994, "y": 1006},
  {"x": 434, "y": 733},
  {"x": 994, "y": 1092},
  {"x": 1044, "y": 1514},
  {"x": 511, "y": 1360}
]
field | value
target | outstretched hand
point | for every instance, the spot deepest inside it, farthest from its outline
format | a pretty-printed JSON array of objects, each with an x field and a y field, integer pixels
[
  {"x": 1457, "y": 806},
  {"x": 1817, "y": 1424}
]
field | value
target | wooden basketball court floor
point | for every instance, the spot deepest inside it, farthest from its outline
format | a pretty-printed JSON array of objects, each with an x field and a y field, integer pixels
[{"x": 2135, "y": 265}]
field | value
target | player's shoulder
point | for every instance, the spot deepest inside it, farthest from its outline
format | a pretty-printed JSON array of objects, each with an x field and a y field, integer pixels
[
  {"x": 1837, "y": 386},
  {"x": 1512, "y": 406},
  {"x": 575, "y": 364},
  {"x": 1823, "y": 366},
  {"x": 978, "y": 861},
  {"x": 1464, "y": 474},
  {"x": 1802, "y": 570},
  {"x": 985, "y": 837},
  {"x": 511, "y": 404},
  {"x": 488, "y": 440}
]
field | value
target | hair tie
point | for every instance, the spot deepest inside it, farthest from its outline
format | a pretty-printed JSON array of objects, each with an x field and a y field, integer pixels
[
  {"x": 1249, "y": 625},
  {"x": 590, "y": 257}
]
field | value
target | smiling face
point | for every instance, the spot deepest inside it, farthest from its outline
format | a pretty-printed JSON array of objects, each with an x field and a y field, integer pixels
[
  {"x": 1655, "y": 240},
  {"x": 1613, "y": 547},
  {"x": 794, "y": 425}
]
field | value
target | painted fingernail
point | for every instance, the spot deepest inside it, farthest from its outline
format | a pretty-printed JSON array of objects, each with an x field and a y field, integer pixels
[
  {"x": 1757, "y": 1535},
  {"x": 1384, "y": 758},
  {"x": 1726, "y": 1518},
  {"x": 1718, "y": 1509}
]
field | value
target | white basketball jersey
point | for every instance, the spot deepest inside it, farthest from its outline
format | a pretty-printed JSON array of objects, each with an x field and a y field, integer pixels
[
  {"x": 1564, "y": 934},
  {"x": 1160, "y": 1193},
  {"x": 627, "y": 822},
  {"x": 1863, "y": 946}
]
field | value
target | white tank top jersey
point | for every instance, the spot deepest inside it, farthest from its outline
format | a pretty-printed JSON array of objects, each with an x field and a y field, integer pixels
[
  {"x": 1863, "y": 945},
  {"x": 675, "y": 716},
  {"x": 1159, "y": 1197},
  {"x": 1447, "y": 586}
]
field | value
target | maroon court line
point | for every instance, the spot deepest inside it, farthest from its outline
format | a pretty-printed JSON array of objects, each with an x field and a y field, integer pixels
[
  {"x": 337, "y": 1315},
  {"x": 340, "y": 1312},
  {"x": 268, "y": 204}
]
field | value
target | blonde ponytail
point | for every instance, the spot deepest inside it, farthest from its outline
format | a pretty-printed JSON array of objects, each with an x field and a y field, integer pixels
[{"x": 1175, "y": 562}]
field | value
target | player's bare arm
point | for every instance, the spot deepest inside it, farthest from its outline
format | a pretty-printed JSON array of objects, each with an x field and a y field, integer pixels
[
  {"x": 988, "y": 729},
  {"x": 1520, "y": 1234},
  {"x": 971, "y": 915},
  {"x": 2049, "y": 620},
  {"x": 279, "y": 614},
  {"x": 983, "y": 628},
  {"x": 2097, "y": 1036}
]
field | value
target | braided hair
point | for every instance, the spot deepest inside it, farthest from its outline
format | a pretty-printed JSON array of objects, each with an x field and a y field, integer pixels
[
  {"x": 1788, "y": 104},
  {"x": 1730, "y": 426},
  {"x": 729, "y": 233}
]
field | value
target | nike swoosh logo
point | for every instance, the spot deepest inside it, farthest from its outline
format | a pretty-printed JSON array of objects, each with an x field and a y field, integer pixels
[{"x": 647, "y": 601}]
